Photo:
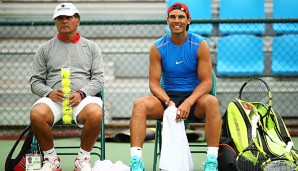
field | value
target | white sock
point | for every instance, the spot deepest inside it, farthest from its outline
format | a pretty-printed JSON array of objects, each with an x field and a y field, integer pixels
[
  {"x": 136, "y": 151},
  {"x": 50, "y": 154},
  {"x": 82, "y": 153},
  {"x": 212, "y": 150}
]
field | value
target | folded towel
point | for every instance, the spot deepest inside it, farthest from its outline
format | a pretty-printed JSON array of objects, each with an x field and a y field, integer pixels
[{"x": 175, "y": 153}]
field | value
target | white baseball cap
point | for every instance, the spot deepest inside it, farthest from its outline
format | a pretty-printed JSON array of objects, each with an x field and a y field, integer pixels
[{"x": 67, "y": 9}]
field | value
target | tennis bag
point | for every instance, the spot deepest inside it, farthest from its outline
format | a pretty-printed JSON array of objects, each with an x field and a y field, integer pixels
[
  {"x": 226, "y": 155},
  {"x": 237, "y": 126},
  {"x": 18, "y": 163},
  {"x": 275, "y": 135},
  {"x": 272, "y": 135}
]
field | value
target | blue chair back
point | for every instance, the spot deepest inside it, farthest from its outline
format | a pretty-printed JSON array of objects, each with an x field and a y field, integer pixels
[
  {"x": 285, "y": 55},
  {"x": 285, "y": 9},
  {"x": 240, "y": 55},
  {"x": 231, "y": 9}
]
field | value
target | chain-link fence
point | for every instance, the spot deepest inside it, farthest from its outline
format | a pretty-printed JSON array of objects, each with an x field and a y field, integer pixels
[{"x": 125, "y": 46}]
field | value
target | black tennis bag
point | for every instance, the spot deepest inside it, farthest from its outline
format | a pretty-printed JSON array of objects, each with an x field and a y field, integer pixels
[
  {"x": 18, "y": 163},
  {"x": 226, "y": 155}
]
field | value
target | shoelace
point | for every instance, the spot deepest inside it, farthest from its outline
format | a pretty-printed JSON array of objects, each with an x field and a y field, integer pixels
[
  {"x": 51, "y": 165},
  {"x": 136, "y": 164},
  {"x": 82, "y": 163},
  {"x": 209, "y": 164}
]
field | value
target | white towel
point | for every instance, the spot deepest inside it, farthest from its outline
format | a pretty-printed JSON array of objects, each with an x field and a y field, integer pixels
[
  {"x": 102, "y": 165},
  {"x": 107, "y": 165},
  {"x": 120, "y": 166},
  {"x": 175, "y": 153}
]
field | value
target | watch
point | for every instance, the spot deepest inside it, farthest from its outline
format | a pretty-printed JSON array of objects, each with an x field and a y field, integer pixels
[{"x": 83, "y": 95}]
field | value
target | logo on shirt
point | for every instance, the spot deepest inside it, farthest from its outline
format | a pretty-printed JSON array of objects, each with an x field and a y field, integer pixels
[{"x": 178, "y": 62}]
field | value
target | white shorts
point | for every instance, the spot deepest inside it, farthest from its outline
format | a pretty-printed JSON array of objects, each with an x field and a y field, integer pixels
[{"x": 57, "y": 107}]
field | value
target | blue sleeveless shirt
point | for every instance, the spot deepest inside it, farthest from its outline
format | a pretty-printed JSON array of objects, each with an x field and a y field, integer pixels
[{"x": 179, "y": 63}]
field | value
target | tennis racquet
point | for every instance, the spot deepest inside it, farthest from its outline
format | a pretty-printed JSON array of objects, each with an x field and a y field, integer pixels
[
  {"x": 250, "y": 159},
  {"x": 256, "y": 90},
  {"x": 283, "y": 162},
  {"x": 279, "y": 164}
]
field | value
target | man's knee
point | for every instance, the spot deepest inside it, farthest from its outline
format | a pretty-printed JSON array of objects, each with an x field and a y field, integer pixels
[
  {"x": 138, "y": 106},
  {"x": 138, "y": 103},
  {"x": 40, "y": 112},
  {"x": 214, "y": 101},
  {"x": 94, "y": 113},
  {"x": 210, "y": 104},
  {"x": 208, "y": 101}
]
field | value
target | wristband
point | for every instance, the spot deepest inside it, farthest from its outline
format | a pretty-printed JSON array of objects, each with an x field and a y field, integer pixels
[{"x": 83, "y": 95}]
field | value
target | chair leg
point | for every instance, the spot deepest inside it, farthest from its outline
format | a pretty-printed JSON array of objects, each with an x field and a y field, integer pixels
[
  {"x": 102, "y": 132},
  {"x": 160, "y": 139},
  {"x": 156, "y": 144},
  {"x": 102, "y": 141}
]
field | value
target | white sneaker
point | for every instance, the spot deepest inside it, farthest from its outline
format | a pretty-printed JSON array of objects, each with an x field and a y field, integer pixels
[
  {"x": 51, "y": 164},
  {"x": 82, "y": 164}
]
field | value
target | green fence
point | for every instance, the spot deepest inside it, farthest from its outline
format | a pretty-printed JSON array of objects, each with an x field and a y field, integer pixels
[{"x": 125, "y": 46}]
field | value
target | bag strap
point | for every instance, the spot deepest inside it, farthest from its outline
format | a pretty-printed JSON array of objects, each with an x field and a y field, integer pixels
[
  {"x": 11, "y": 163},
  {"x": 282, "y": 128}
]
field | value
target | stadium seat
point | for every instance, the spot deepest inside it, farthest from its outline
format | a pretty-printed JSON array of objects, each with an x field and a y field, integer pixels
[
  {"x": 240, "y": 55},
  {"x": 66, "y": 150},
  {"x": 245, "y": 9},
  {"x": 158, "y": 131},
  {"x": 285, "y": 55},
  {"x": 285, "y": 9},
  {"x": 199, "y": 9}
]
